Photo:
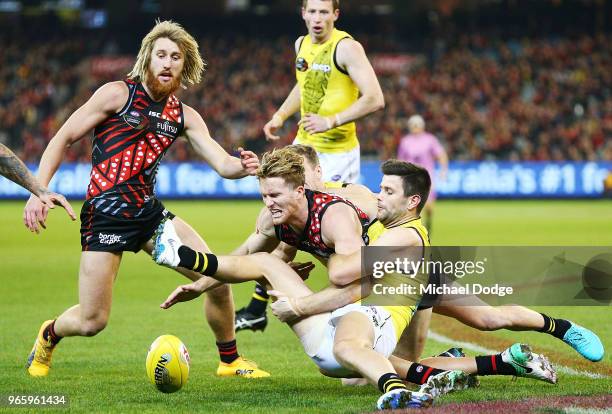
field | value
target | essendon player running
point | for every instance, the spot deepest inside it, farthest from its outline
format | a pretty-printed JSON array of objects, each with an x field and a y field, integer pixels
[{"x": 135, "y": 121}]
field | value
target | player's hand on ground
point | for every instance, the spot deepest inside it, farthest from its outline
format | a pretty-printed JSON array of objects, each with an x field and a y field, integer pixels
[
  {"x": 35, "y": 214},
  {"x": 249, "y": 161},
  {"x": 270, "y": 129},
  {"x": 183, "y": 293},
  {"x": 302, "y": 269},
  {"x": 285, "y": 308},
  {"x": 51, "y": 199},
  {"x": 313, "y": 123}
]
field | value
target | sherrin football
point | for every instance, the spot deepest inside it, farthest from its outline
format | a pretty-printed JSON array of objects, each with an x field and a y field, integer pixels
[{"x": 168, "y": 363}]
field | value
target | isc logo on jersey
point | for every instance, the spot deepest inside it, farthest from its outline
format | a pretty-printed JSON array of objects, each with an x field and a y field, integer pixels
[{"x": 168, "y": 363}]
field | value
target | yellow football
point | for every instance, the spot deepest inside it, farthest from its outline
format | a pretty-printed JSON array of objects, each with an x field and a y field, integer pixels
[{"x": 168, "y": 363}]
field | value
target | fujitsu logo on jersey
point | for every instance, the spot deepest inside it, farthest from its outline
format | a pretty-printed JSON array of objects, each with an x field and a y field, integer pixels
[{"x": 166, "y": 127}]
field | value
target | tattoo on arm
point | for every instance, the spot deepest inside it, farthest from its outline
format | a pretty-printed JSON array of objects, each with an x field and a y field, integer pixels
[{"x": 15, "y": 170}]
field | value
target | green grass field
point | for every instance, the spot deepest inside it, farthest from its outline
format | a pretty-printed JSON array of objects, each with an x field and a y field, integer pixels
[{"x": 106, "y": 373}]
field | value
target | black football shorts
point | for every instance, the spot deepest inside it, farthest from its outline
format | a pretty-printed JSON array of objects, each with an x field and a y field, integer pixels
[{"x": 122, "y": 231}]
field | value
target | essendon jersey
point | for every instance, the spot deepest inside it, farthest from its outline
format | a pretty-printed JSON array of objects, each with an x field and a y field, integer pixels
[
  {"x": 310, "y": 240},
  {"x": 127, "y": 149}
]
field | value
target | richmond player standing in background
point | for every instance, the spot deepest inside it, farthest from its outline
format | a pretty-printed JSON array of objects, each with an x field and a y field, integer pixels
[{"x": 332, "y": 71}]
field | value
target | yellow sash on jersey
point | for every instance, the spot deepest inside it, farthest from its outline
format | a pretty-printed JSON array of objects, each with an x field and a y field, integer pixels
[
  {"x": 400, "y": 315},
  {"x": 326, "y": 90}
]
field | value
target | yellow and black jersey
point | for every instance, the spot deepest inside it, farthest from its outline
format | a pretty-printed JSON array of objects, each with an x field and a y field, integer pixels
[
  {"x": 401, "y": 314},
  {"x": 325, "y": 89}
]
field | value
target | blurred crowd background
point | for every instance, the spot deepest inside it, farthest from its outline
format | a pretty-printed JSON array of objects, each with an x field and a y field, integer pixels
[{"x": 522, "y": 86}]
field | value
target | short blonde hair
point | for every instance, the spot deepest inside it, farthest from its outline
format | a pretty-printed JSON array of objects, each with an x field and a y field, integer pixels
[
  {"x": 284, "y": 163},
  {"x": 194, "y": 64},
  {"x": 306, "y": 151}
]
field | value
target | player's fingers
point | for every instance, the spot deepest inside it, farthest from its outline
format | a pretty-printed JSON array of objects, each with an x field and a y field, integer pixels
[
  {"x": 28, "y": 219},
  {"x": 270, "y": 136},
  {"x": 248, "y": 155},
  {"x": 171, "y": 300},
  {"x": 64, "y": 203},
  {"x": 40, "y": 217},
  {"x": 33, "y": 222},
  {"x": 45, "y": 211},
  {"x": 267, "y": 129}
]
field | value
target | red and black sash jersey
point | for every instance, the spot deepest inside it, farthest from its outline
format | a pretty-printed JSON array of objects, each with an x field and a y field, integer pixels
[
  {"x": 127, "y": 149},
  {"x": 310, "y": 240}
]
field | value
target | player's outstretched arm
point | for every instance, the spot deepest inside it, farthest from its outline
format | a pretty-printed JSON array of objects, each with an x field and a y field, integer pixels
[
  {"x": 289, "y": 107},
  {"x": 15, "y": 170},
  {"x": 107, "y": 100},
  {"x": 351, "y": 56},
  {"x": 287, "y": 308},
  {"x": 227, "y": 166}
]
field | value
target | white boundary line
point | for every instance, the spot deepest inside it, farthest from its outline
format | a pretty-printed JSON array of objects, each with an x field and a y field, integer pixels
[{"x": 477, "y": 348}]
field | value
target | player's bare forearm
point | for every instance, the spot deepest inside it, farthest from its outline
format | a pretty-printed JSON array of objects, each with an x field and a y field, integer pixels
[
  {"x": 362, "y": 107},
  {"x": 351, "y": 56},
  {"x": 50, "y": 161},
  {"x": 291, "y": 104},
  {"x": 330, "y": 298},
  {"x": 344, "y": 268},
  {"x": 15, "y": 170},
  {"x": 232, "y": 169},
  {"x": 256, "y": 243}
]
